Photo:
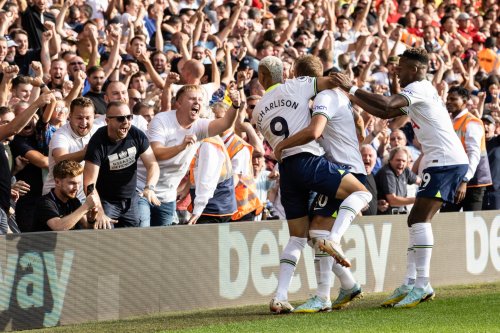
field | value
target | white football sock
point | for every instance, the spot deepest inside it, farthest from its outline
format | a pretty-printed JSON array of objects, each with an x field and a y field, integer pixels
[
  {"x": 344, "y": 275},
  {"x": 423, "y": 241},
  {"x": 348, "y": 210},
  {"x": 411, "y": 270},
  {"x": 288, "y": 261},
  {"x": 323, "y": 266}
]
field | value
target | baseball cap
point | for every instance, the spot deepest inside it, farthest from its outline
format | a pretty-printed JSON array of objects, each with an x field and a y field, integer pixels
[
  {"x": 248, "y": 62},
  {"x": 463, "y": 16},
  {"x": 10, "y": 42},
  {"x": 393, "y": 60},
  {"x": 489, "y": 119}
]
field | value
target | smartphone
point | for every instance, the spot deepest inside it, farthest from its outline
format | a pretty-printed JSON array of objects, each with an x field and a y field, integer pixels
[{"x": 90, "y": 189}]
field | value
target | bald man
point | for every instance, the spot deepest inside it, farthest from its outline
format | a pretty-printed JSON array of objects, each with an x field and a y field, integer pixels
[{"x": 191, "y": 73}]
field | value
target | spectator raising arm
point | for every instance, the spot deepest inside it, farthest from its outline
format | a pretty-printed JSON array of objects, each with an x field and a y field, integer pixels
[
  {"x": 24, "y": 117},
  {"x": 218, "y": 126}
]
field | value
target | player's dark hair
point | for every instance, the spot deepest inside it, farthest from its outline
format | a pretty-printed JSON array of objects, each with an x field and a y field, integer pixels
[
  {"x": 461, "y": 91},
  {"x": 416, "y": 53}
]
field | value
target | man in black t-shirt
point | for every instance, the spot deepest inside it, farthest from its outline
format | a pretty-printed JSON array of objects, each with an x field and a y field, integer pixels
[
  {"x": 111, "y": 164},
  {"x": 96, "y": 75},
  {"x": 60, "y": 209}
]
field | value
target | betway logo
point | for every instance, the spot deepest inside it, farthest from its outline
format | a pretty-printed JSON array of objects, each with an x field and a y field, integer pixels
[
  {"x": 25, "y": 276},
  {"x": 477, "y": 236},
  {"x": 253, "y": 259}
]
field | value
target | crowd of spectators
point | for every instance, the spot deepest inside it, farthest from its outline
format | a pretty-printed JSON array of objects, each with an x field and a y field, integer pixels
[{"x": 186, "y": 71}]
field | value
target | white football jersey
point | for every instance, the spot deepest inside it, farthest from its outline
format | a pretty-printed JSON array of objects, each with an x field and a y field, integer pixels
[
  {"x": 432, "y": 125},
  {"x": 339, "y": 139},
  {"x": 284, "y": 111}
]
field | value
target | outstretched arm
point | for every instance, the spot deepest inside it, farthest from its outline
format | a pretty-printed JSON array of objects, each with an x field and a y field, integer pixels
[{"x": 381, "y": 106}]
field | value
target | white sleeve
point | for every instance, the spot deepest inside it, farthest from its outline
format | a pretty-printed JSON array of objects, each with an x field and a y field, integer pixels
[
  {"x": 156, "y": 131},
  {"x": 473, "y": 137},
  {"x": 324, "y": 104},
  {"x": 201, "y": 128},
  {"x": 206, "y": 176},
  {"x": 58, "y": 141},
  {"x": 240, "y": 162},
  {"x": 210, "y": 88}
]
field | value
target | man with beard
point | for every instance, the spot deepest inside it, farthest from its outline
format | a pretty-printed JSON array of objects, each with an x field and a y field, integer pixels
[
  {"x": 139, "y": 83},
  {"x": 160, "y": 63},
  {"x": 70, "y": 141},
  {"x": 96, "y": 79},
  {"x": 111, "y": 165},
  {"x": 471, "y": 132},
  {"x": 58, "y": 71},
  {"x": 60, "y": 209},
  {"x": 446, "y": 166}
]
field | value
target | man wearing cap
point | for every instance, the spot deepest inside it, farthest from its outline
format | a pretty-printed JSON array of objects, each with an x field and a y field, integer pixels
[
  {"x": 471, "y": 133},
  {"x": 491, "y": 198},
  {"x": 465, "y": 28}
]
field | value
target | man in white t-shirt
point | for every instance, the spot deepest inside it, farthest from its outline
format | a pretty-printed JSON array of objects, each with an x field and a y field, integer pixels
[
  {"x": 284, "y": 111},
  {"x": 446, "y": 163},
  {"x": 174, "y": 137},
  {"x": 70, "y": 141},
  {"x": 333, "y": 126}
]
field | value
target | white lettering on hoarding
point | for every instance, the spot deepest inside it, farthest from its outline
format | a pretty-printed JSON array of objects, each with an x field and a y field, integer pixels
[
  {"x": 476, "y": 233},
  {"x": 257, "y": 259},
  {"x": 30, "y": 287}
]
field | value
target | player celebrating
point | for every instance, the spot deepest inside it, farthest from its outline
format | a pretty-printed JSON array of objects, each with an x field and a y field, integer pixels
[
  {"x": 446, "y": 163},
  {"x": 283, "y": 111},
  {"x": 333, "y": 126}
]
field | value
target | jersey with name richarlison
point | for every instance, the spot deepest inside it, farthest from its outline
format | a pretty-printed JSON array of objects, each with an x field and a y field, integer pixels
[
  {"x": 432, "y": 125},
  {"x": 284, "y": 111},
  {"x": 339, "y": 139}
]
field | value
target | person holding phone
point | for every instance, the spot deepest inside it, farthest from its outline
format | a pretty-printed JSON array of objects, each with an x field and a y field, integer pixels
[{"x": 60, "y": 209}]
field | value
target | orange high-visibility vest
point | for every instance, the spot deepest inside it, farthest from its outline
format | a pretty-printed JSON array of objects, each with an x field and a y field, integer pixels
[
  {"x": 246, "y": 189},
  {"x": 218, "y": 205},
  {"x": 482, "y": 176}
]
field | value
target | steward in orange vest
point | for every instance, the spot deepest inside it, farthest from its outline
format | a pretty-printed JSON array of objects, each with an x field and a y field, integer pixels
[
  {"x": 213, "y": 198},
  {"x": 470, "y": 130},
  {"x": 247, "y": 201}
]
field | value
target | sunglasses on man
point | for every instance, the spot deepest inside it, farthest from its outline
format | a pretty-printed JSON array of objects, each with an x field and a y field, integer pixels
[{"x": 121, "y": 119}]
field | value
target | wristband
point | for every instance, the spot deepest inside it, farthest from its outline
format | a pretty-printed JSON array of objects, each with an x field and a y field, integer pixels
[
  {"x": 43, "y": 85},
  {"x": 353, "y": 89}
]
